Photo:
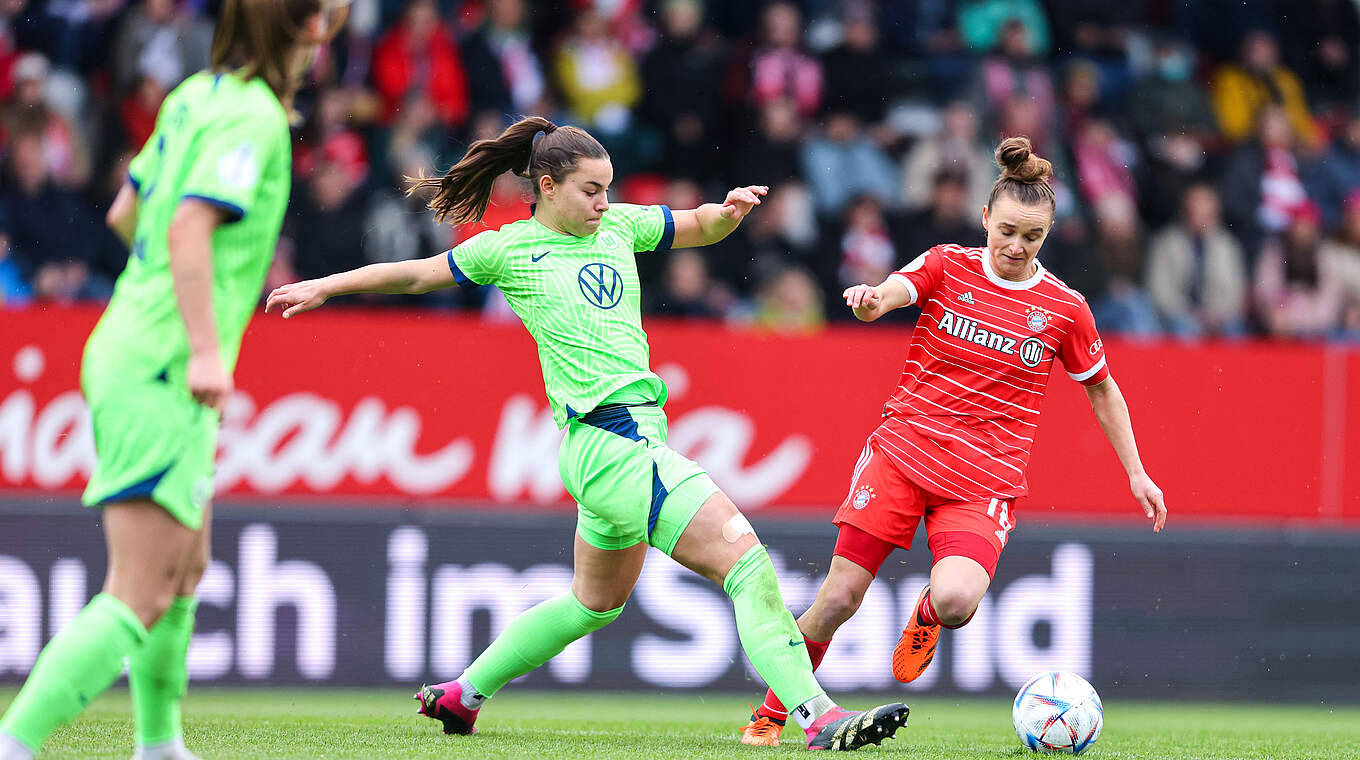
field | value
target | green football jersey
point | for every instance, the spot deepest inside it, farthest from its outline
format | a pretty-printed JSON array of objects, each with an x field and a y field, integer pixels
[
  {"x": 579, "y": 297},
  {"x": 224, "y": 141}
]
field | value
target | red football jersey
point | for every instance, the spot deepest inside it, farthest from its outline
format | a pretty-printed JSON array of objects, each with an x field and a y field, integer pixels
[{"x": 962, "y": 420}]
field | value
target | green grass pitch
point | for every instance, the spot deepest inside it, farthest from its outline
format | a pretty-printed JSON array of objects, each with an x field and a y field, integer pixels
[{"x": 226, "y": 724}]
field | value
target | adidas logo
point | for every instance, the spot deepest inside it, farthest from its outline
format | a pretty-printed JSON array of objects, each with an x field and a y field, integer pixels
[{"x": 967, "y": 297}]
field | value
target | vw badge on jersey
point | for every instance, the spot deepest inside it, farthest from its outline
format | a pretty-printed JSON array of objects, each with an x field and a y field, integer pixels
[{"x": 601, "y": 284}]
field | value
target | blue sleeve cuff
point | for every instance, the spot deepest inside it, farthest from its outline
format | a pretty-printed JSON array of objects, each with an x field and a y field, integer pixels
[
  {"x": 667, "y": 232},
  {"x": 237, "y": 213},
  {"x": 463, "y": 280}
]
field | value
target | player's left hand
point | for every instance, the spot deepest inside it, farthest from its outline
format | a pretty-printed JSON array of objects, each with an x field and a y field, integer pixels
[
  {"x": 296, "y": 297},
  {"x": 1149, "y": 496},
  {"x": 740, "y": 201}
]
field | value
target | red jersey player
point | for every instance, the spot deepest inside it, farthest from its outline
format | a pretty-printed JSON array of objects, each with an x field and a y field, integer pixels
[{"x": 955, "y": 439}]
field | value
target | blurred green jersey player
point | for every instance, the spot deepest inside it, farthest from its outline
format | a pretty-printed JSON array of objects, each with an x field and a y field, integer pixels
[{"x": 201, "y": 214}]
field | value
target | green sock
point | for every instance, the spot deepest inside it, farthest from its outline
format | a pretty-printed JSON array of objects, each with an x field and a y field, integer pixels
[
  {"x": 75, "y": 667},
  {"x": 157, "y": 676},
  {"x": 532, "y": 639},
  {"x": 767, "y": 630}
]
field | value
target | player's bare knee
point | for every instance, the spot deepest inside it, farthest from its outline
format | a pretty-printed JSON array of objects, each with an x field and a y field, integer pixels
[
  {"x": 194, "y": 571},
  {"x": 954, "y": 607}
]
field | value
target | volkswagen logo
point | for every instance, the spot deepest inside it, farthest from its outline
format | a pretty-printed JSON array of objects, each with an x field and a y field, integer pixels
[{"x": 601, "y": 284}]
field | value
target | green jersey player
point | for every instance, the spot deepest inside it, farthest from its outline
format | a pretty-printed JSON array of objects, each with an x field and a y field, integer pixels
[
  {"x": 569, "y": 273},
  {"x": 200, "y": 213}
]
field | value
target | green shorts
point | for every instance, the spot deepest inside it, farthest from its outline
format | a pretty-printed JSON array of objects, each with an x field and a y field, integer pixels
[
  {"x": 628, "y": 484},
  {"x": 151, "y": 441}
]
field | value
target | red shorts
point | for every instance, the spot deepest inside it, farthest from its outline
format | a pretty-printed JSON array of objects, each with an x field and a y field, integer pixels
[{"x": 886, "y": 505}]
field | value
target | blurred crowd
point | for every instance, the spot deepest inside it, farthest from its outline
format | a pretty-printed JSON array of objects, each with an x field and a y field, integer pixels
[{"x": 1207, "y": 152}]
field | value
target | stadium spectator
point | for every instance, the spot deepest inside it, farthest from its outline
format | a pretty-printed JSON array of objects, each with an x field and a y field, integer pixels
[
  {"x": 1260, "y": 184},
  {"x": 598, "y": 77},
  {"x": 1171, "y": 120},
  {"x": 418, "y": 57},
  {"x": 779, "y": 68},
  {"x": 1097, "y": 32},
  {"x": 956, "y": 147},
  {"x": 1298, "y": 291},
  {"x": 842, "y": 161},
  {"x": 951, "y": 217},
  {"x": 50, "y": 227},
  {"x": 785, "y": 231},
  {"x": 860, "y": 76},
  {"x": 1124, "y": 307},
  {"x": 927, "y": 31},
  {"x": 1104, "y": 163},
  {"x": 687, "y": 290},
  {"x": 790, "y": 302},
  {"x": 864, "y": 247},
  {"x": 1323, "y": 45},
  {"x": 504, "y": 71},
  {"x": 167, "y": 37},
  {"x": 771, "y": 152},
  {"x": 1343, "y": 250},
  {"x": 28, "y": 109},
  {"x": 681, "y": 92},
  {"x": 1242, "y": 88},
  {"x": 327, "y": 215},
  {"x": 985, "y": 25},
  {"x": 1337, "y": 173},
  {"x": 1013, "y": 73},
  {"x": 1197, "y": 274}
]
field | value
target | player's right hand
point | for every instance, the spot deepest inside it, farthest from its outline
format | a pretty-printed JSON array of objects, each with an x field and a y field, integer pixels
[
  {"x": 209, "y": 382},
  {"x": 296, "y": 297},
  {"x": 864, "y": 299}
]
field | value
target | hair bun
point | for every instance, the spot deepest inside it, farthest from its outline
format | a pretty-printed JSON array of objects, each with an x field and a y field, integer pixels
[{"x": 1016, "y": 157}]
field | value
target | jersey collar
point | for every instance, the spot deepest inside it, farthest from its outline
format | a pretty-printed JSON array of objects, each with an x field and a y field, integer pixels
[{"x": 1002, "y": 282}]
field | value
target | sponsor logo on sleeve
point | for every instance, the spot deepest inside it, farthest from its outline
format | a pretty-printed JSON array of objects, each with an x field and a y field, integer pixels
[{"x": 1095, "y": 347}]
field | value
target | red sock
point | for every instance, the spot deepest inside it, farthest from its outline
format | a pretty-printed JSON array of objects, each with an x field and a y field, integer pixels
[
  {"x": 925, "y": 611},
  {"x": 772, "y": 707}
]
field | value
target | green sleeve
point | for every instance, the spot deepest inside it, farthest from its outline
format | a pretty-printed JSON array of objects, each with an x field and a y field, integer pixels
[
  {"x": 228, "y": 164},
  {"x": 477, "y": 260},
  {"x": 140, "y": 164},
  {"x": 651, "y": 228}
]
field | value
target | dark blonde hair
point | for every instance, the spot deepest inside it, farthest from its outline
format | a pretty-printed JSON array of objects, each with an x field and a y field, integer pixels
[
  {"x": 259, "y": 38},
  {"x": 1024, "y": 174},
  {"x": 462, "y": 194}
]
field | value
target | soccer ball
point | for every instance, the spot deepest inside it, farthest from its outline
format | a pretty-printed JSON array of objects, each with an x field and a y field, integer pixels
[{"x": 1058, "y": 712}]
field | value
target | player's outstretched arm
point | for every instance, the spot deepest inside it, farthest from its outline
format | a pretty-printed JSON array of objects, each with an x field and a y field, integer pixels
[
  {"x": 869, "y": 302},
  {"x": 712, "y": 222},
  {"x": 1113, "y": 415},
  {"x": 398, "y": 277}
]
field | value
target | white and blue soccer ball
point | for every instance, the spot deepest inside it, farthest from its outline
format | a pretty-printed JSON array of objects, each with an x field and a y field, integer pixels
[{"x": 1058, "y": 712}]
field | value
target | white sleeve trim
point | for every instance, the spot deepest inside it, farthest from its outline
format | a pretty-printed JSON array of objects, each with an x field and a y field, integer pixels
[
  {"x": 906, "y": 282},
  {"x": 1088, "y": 373}
]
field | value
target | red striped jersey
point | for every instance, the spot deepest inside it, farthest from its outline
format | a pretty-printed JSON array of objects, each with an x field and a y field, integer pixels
[{"x": 962, "y": 420}]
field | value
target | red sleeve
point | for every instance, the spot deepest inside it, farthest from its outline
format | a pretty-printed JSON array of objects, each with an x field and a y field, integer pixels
[
  {"x": 922, "y": 276},
  {"x": 1082, "y": 352}
]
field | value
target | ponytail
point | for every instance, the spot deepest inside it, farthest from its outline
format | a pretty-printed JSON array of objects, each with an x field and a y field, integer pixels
[{"x": 530, "y": 148}]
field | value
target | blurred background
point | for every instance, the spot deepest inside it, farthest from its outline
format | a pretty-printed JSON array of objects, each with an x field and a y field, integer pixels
[
  {"x": 1207, "y": 152},
  {"x": 387, "y": 497}
]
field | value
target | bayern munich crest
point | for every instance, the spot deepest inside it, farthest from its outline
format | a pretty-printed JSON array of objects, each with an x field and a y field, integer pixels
[
  {"x": 1037, "y": 319},
  {"x": 862, "y": 497}
]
